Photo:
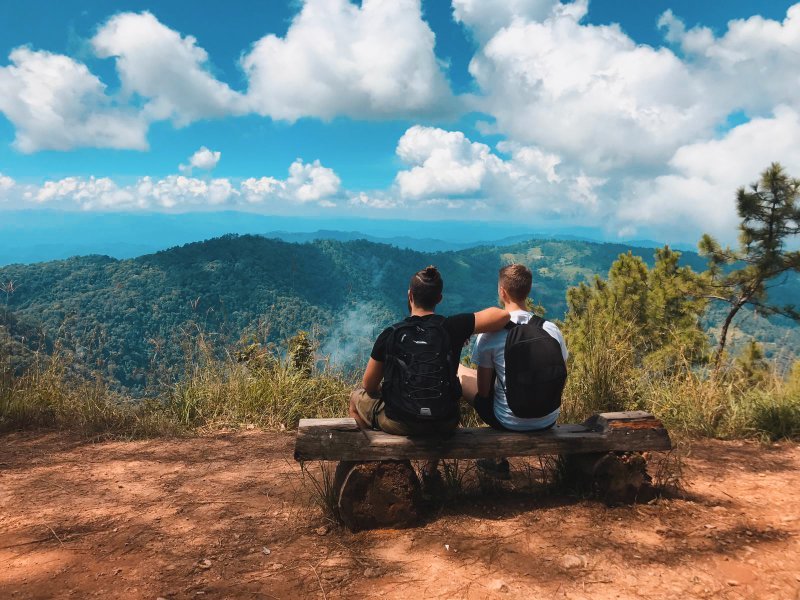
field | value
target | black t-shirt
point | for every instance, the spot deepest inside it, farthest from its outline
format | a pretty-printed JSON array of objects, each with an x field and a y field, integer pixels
[{"x": 459, "y": 327}]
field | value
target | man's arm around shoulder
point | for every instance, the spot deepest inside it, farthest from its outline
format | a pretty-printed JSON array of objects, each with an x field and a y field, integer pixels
[{"x": 491, "y": 319}]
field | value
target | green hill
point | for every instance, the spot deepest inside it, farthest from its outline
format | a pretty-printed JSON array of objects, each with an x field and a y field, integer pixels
[{"x": 129, "y": 318}]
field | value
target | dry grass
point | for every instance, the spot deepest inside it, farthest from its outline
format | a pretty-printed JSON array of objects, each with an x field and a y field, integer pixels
[
  {"x": 222, "y": 390},
  {"x": 211, "y": 393}
]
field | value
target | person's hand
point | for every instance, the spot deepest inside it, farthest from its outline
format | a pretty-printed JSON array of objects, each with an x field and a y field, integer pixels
[{"x": 351, "y": 410}]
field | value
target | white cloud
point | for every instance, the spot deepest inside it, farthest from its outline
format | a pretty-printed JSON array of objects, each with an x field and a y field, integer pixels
[
  {"x": 371, "y": 61},
  {"x": 699, "y": 193},
  {"x": 447, "y": 164},
  {"x": 307, "y": 182},
  {"x": 487, "y": 17},
  {"x": 592, "y": 95},
  {"x": 588, "y": 92},
  {"x": 752, "y": 67},
  {"x": 6, "y": 183},
  {"x": 379, "y": 200},
  {"x": 55, "y": 103},
  {"x": 202, "y": 159},
  {"x": 173, "y": 191},
  {"x": 169, "y": 70}
]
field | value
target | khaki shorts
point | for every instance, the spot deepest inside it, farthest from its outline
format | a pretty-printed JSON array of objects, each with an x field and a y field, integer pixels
[{"x": 371, "y": 410}]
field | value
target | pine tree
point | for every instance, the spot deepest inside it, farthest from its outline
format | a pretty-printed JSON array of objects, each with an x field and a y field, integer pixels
[{"x": 770, "y": 217}]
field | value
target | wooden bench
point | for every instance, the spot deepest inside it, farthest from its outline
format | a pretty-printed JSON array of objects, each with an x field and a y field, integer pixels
[{"x": 374, "y": 479}]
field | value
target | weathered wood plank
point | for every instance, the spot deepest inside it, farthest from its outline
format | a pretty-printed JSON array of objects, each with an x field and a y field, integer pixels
[{"x": 609, "y": 432}]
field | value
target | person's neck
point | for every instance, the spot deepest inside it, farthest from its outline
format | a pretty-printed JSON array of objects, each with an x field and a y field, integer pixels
[
  {"x": 512, "y": 306},
  {"x": 420, "y": 312}
]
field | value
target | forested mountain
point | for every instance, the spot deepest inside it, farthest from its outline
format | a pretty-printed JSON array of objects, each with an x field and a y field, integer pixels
[{"x": 129, "y": 317}]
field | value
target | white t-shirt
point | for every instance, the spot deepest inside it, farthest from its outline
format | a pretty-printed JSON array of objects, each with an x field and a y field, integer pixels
[{"x": 490, "y": 353}]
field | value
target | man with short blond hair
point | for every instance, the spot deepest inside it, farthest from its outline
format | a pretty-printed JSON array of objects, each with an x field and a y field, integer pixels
[{"x": 486, "y": 387}]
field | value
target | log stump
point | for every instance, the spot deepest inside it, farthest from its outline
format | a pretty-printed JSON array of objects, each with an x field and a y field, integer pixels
[
  {"x": 377, "y": 494},
  {"x": 613, "y": 477}
]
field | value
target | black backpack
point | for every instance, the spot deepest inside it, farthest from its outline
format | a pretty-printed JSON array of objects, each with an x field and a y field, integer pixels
[
  {"x": 535, "y": 370},
  {"x": 419, "y": 382}
]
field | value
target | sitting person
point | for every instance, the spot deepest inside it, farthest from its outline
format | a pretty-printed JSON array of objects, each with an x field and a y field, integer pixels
[
  {"x": 521, "y": 391},
  {"x": 411, "y": 386}
]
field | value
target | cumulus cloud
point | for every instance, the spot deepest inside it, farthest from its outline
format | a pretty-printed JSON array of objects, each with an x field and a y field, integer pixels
[
  {"x": 6, "y": 183},
  {"x": 592, "y": 95},
  {"x": 588, "y": 92},
  {"x": 446, "y": 164},
  {"x": 370, "y": 61},
  {"x": 752, "y": 67},
  {"x": 307, "y": 182},
  {"x": 378, "y": 200},
  {"x": 486, "y": 17},
  {"x": 202, "y": 159},
  {"x": 698, "y": 194},
  {"x": 55, "y": 103},
  {"x": 167, "y": 69}
]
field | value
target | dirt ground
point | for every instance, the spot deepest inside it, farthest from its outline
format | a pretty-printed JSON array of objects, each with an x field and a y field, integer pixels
[{"x": 228, "y": 516}]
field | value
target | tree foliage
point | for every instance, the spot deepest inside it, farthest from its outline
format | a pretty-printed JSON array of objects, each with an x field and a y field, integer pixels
[
  {"x": 770, "y": 218},
  {"x": 657, "y": 310}
]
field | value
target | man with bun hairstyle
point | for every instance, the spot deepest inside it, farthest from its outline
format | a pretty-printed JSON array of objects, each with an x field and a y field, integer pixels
[{"x": 410, "y": 385}]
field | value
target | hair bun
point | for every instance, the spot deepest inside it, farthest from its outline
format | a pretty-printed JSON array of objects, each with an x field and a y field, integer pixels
[{"x": 430, "y": 271}]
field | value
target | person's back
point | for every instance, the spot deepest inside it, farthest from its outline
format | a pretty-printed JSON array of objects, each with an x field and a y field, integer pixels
[
  {"x": 410, "y": 385},
  {"x": 485, "y": 388},
  {"x": 489, "y": 353}
]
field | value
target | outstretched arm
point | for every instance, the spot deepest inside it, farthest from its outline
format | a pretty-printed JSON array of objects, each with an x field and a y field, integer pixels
[{"x": 491, "y": 319}]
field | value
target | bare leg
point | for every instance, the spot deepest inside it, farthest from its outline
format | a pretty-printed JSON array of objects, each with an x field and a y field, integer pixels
[{"x": 469, "y": 383}]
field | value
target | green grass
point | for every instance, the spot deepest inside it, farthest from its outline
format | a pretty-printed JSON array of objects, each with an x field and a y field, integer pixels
[{"x": 271, "y": 391}]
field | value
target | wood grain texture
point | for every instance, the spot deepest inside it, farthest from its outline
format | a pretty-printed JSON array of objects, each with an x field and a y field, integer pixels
[{"x": 342, "y": 439}]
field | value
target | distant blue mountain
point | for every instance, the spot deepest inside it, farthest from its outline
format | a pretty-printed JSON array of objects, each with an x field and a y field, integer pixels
[{"x": 42, "y": 235}]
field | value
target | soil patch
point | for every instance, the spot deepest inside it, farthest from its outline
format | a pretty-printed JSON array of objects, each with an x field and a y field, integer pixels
[{"x": 228, "y": 516}]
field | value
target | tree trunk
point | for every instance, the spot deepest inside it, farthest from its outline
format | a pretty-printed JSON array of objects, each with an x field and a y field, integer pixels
[
  {"x": 378, "y": 494},
  {"x": 613, "y": 477},
  {"x": 723, "y": 336}
]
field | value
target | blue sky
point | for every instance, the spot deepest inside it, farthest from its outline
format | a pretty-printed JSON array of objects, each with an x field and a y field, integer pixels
[{"x": 620, "y": 114}]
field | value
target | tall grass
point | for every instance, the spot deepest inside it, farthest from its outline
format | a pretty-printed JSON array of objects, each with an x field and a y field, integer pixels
[
  {"x": 49, "y": 395},
  {"x": 267, "y": 390},
  {"x": 217, "y": 388},
  {"x": 689, "y": 399},
  {"x": 213, "y": 391}
]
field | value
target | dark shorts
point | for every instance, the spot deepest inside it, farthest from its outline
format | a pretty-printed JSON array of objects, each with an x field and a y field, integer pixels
[{"x": 485, "y": 409}]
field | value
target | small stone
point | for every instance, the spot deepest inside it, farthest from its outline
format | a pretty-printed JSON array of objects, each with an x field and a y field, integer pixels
[
  {"x": 732, "y": 582},
  {"x": 277, "y": 566},
  {"x": 499, "y": 585},
  {"x": 266, "y": 551},
  {"x": 322, "y": 530},
  {"x": 250, "y": 426},
  {"x": 372, "y": 572},
  {"x": 161, "y": 598},
  {"x": 204, "y": 564},
  {"x": 573, "y": 561}
]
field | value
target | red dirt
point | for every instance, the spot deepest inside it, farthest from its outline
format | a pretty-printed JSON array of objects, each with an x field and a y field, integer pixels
[{"x": 190, "y": 518}]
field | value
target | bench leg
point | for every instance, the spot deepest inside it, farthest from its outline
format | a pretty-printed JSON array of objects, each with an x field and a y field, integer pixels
[
  {"x": 377, "y": 494},
  {"x": 614, "y": 477}
]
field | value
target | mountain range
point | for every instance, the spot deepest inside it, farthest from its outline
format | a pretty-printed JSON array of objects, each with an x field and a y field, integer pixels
[{"x": 126, "y": 318}]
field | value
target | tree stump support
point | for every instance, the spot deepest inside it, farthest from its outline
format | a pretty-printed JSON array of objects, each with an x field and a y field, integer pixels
[{"x": 376, "y": 485}]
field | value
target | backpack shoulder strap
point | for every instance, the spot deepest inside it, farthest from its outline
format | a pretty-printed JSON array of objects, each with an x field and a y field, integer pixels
[{"x": 536, "y": 321}]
